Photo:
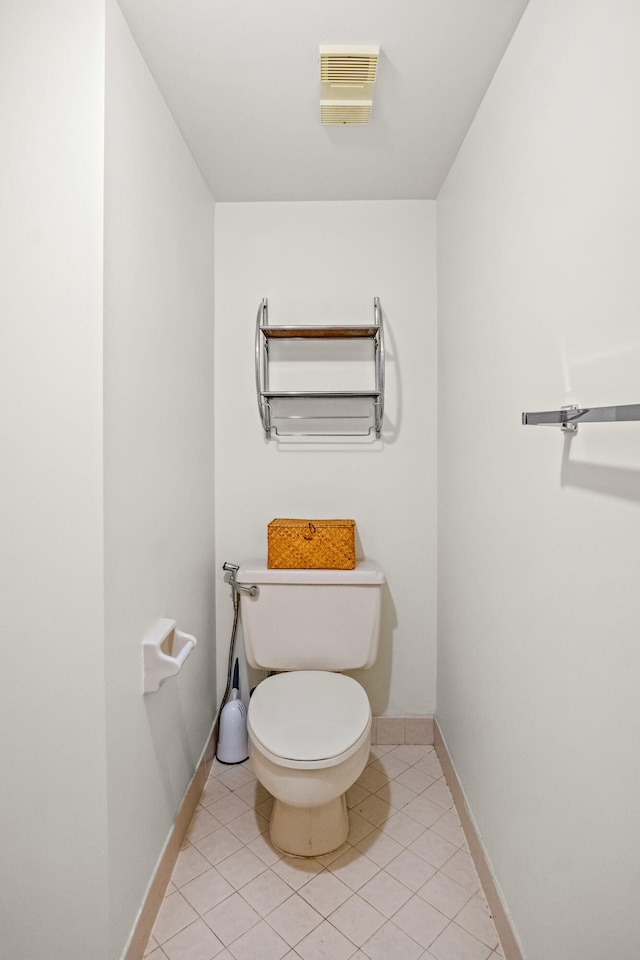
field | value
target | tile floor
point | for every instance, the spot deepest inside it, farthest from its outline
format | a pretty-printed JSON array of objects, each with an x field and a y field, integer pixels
[{"x": 403, "y": 886}]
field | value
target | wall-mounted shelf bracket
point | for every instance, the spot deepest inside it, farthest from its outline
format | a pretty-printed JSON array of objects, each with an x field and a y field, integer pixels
[{"x": 568, "y": 418}]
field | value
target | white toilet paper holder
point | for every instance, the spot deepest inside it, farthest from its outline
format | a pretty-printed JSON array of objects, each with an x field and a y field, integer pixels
[{"x": 164, "y": 651}]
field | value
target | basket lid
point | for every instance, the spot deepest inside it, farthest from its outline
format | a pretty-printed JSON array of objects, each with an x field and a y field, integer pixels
[
  {"x": 256, "y": 571},
  {"x": 308, "y": 715}
]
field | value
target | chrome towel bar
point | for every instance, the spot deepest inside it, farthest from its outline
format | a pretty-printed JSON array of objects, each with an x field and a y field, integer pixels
[{"x": 568, "y": 418}]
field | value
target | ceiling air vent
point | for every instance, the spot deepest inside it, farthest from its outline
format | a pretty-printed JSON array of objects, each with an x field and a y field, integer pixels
[{"x": 347, "y": 76}]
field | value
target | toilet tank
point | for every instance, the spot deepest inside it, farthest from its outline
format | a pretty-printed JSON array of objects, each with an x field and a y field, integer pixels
[{"x": 311, "y": 619}]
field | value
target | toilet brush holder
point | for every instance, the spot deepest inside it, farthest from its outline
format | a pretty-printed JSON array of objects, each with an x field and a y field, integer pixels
[{"x": 233, "y": 742}]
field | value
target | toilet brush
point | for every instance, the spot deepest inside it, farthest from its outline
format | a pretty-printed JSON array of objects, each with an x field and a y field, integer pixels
[{"x": 233, "y": 744}]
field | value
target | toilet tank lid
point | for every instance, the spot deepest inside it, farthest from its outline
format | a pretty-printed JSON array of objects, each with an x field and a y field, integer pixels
[{"x": 256, "y": 571}]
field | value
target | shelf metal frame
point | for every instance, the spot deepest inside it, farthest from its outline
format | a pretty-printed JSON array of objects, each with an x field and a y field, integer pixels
[{"x": 266, "y": 334}]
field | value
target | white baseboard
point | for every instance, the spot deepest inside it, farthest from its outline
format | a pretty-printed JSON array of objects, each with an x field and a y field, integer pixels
[
  {"x": 160, "y": 881},
  {"x": 508, "y": 940}
]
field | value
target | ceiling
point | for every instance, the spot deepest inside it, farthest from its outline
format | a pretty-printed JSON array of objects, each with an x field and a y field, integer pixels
[{"x": 241, "y": 78}]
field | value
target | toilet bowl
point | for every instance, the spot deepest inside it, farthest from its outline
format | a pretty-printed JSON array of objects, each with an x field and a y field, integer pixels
[
  {"x": 309, "y": 736},
  {"x": 309, "y": 724}
]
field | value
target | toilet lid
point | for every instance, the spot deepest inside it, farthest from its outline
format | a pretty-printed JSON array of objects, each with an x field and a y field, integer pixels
[{"x": 308, "y": 714}]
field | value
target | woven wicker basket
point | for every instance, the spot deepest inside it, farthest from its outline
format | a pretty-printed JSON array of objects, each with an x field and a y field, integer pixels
[{"x": 311, "y": 544}]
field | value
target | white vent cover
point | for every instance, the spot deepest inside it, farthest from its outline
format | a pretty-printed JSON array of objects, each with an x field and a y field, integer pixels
[{"x": 347, "y": 76}]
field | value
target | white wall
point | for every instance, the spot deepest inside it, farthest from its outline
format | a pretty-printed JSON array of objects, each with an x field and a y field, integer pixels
[
  {"x": 52, "y": 806},
  {"x": 325, "y": 262},
  {"x": 538, "y": 250},
  {"x": 107, "y": 499},
  {"x": 158, "y": 465}
]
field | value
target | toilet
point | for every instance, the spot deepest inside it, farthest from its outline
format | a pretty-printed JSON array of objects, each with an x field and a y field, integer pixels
[{"x": 309, "y": 725}]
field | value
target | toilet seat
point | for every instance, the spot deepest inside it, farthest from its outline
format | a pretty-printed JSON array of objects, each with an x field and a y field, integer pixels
[{"x": 309, "y": 718}]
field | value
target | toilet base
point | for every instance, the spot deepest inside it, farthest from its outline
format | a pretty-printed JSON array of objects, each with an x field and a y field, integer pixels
[{"x": 309, "y": 831}]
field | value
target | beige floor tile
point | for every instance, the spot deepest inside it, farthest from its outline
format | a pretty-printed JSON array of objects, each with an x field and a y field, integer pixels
[
  {"x": 410, "y": 753},
  {"x": 476, "y": 919},
  {"x": 357, "y": 920},
  {"x": 265, "y": 807},
  {"x": 328, "y": 858},
  {"x": 433, "y": 848},
  {"x": 325, "y": 943},
  {"x": 241, "y": 867},
  {"x": 206, "y": 891},
  {"x": 420, "y": 921},
  {"x": 359, "y": 827},
  {"x": 259, "y": 943},
  {"x": 431, "y": 765},
  {"x": 156, "y": 954},
  {"x": 325, "y": 892},
  {"x": 456, "y": 944},
  {"x": 151, "y": 945},
  {"x": 355, "y": 795},
  {"x": 374, "y": 809},
  {"x": 175, "y": 914},
  {"x": 296, "y": 870},
  {"x": 410, "y": 870},
  {"x": 219, "y": 845},
  {"x": 402, "y": 828},
  {"x": 195, "y": 942},
  {"x": 249, "y": 826},
  {"x": 218, "y": 768},
  {"x": 265, "y": 850},
  {"x": 379, "y": 847},
  {"x": 396, "y": 794},
  {"x": 228, "y": 808},
  {"x": 353, "y": 868},
  {"x": 266, "y": 892},
  {"x": 439, "y": 792},
  {"x": 202, "y": 824},
  {"x": 391, "y": 943},
  {"x": 213, "y": 790},
  {"x": 424, "y": 811},
  {"x": 231, "y": 919},
  {"x": 385, "y": 894},
  {"x": 391, "y": 765},
  {"x": 445, "y": 894},
  {"x": 460, "y": 868},
  {"x": 372, "y": 780},
  {"x": 416, "y": 780},
  {"x": 448, "y": 826},
  {"x": 253, "y": 793},
  {"x": 236, "y": 777},
  {"x": 190, "y": 863},
  {"x": 294, "y": 919}
]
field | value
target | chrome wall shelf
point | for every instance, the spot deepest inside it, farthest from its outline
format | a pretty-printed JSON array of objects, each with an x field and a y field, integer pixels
[
  {"x": 568, "y": 418},
  {"x": 326, "y": 412}
]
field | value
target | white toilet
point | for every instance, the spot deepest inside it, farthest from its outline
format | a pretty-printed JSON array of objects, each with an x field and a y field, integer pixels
[{"x": 309, "y": 726}]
